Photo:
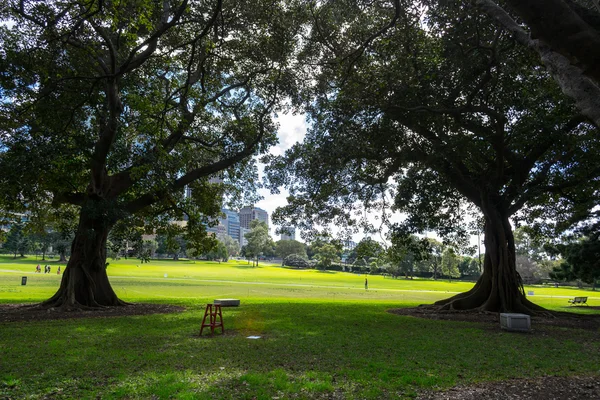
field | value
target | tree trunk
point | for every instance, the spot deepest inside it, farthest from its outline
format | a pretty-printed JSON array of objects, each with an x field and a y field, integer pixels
[
  {"x": 176, "y": 257},
  {"x": 499, "y": 288},
  {"x": 63, "y": 257},
  {"x": 85, "y": 282}
]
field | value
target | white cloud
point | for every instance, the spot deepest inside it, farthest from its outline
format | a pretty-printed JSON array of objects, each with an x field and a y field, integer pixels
[{"x": 292, "y": 129}]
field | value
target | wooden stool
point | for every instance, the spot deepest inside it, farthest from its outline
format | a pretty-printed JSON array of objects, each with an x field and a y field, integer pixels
[{"x": 212, "y": 311}]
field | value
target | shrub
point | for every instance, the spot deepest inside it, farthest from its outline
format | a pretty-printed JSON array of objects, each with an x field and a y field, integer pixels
[
  {"x": 335, "y": 267},
  {"x": 296, "y": 261}
]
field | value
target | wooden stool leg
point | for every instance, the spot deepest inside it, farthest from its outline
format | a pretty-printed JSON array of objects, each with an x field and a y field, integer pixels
[
  {"x": 207, "y": 312},
  {"x": 221, "y": 318}
]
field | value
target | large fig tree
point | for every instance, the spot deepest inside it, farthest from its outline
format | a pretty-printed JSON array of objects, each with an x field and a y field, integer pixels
[
  {"x": 441, "y": 109},
  {"x": 135, "y": 112}
]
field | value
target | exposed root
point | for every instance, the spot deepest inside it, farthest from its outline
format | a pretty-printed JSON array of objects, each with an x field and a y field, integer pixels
[
  {"x": 472, "y": 301},
  {"x": 449, "y": 300}
]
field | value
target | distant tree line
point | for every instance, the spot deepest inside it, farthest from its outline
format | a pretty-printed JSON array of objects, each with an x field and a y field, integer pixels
[{"x": 573, "y": 258}]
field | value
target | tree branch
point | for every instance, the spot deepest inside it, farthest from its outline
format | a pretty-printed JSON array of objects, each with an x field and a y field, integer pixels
[
  {"x": 135, "y": 60},
  {"x": 151, "y": 198}
]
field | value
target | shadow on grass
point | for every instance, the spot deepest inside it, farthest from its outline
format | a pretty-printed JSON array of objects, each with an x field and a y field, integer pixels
[
  {"x": 28, "y": 260},
  {"x": 310, "y": 350},
  {"x": 226, "y": 384},
  {"x": 245, "y": 266}
]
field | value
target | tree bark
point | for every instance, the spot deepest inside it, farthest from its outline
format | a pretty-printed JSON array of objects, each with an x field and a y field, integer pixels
[
  {"x": 565, "y": 28},
  {"x": 499, "y": 288},
  {"x": 573, "y": 80},
  {"x": 84, "y": 282}
]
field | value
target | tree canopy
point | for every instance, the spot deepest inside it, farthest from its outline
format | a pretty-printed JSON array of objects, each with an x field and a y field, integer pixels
[
  {"x": 368, "y": 248},
  {"x": 580, "y": 256},
  {"x": 232, "y": 245},
  {"x": 326, "y": 253},
  {"x": 17, "y": 242},
  {"x": 259, "y": 240},
  {"x": 284, "y": 248}
]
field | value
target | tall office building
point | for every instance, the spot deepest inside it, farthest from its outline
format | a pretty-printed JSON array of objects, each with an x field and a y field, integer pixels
[
  {"x": 288, "y": 233},
  {"x": 243, "y": 240},
  {"x": 232, "y": 222},
  {"x": 248, "y": 214},
  {"x": 228, "y": 224}
]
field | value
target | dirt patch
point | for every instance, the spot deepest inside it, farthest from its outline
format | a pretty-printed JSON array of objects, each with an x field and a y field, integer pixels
[
  {"x": 549, "y": 387},
  {"x": 27, "y": 312},
  {"x": 556, "y": 319}
]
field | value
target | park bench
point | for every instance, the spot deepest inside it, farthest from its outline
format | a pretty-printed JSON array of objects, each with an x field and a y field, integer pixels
[{"x": 578, "y": 300}]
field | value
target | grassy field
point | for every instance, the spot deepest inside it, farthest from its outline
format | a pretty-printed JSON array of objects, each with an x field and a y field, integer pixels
[{"x": 322, "y": 335}]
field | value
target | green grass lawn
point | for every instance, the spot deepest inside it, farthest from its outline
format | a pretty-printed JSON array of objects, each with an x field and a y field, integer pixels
[{"x": 323, "y": 335}]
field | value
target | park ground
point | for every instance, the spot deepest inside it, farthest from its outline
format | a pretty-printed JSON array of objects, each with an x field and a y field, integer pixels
[{"x": 322, "y": 335}]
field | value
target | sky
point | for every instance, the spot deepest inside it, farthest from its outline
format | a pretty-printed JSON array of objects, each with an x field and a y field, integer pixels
[{"x": 292, "y": 129}]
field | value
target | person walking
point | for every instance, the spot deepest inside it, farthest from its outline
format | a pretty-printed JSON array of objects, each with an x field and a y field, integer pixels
[{"x": 366, "y": 284}]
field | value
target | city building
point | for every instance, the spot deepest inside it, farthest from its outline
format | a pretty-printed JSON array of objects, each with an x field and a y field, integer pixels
[
  {"x": 349, "y": 244},
  {"x": 232, "y": 223},
  {"x": 288, "y": 233},
  {"x": 243, "y": 240},
  {"x": 248, "y": 214}
]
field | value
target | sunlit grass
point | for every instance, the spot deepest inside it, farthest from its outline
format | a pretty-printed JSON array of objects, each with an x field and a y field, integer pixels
[
  {"x": 180, "y": 281},
  {"x": 322, "y": 334}
]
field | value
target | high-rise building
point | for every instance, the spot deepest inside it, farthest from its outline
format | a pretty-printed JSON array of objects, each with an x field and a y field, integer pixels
[
  {"x": 248, "y": 214},
  {"x": 243, "y": 240},
  {"x": 288, "y": 233},
  {"x": 232, "y": 222},
  {"x": 229, "y": 224}
]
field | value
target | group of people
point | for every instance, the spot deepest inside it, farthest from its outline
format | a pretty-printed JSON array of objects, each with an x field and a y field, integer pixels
[{"x": 47, "y": 269}]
